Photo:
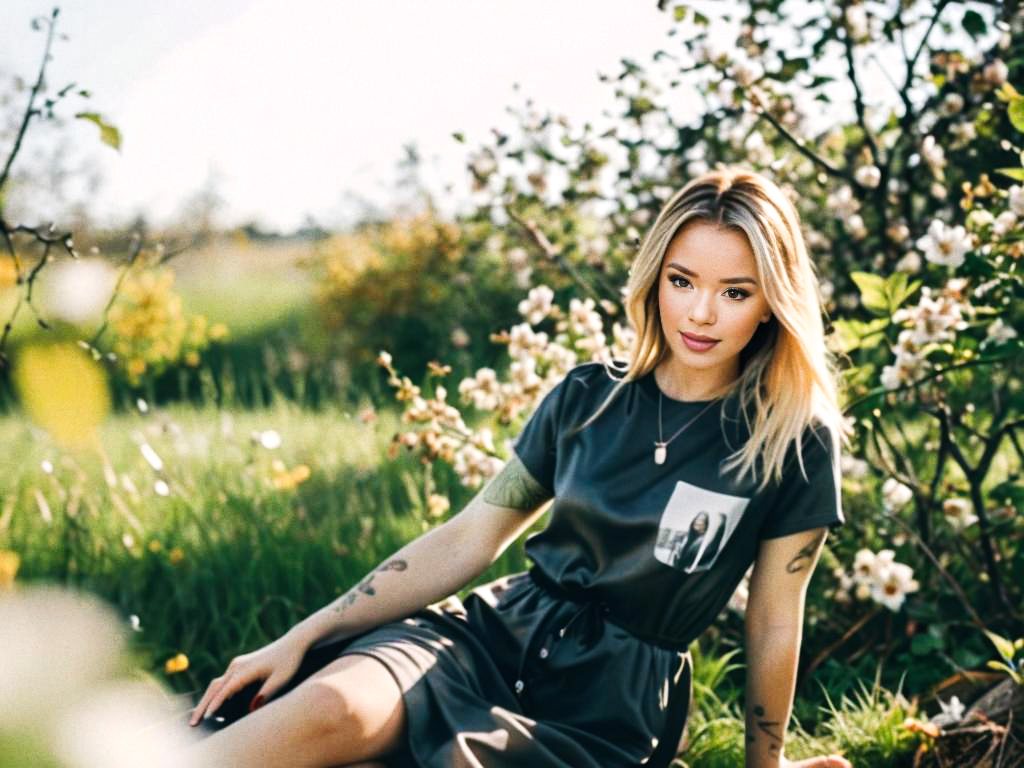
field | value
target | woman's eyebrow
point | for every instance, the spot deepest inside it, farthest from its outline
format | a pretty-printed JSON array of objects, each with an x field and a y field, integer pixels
[{"x": 727, "y": 280}]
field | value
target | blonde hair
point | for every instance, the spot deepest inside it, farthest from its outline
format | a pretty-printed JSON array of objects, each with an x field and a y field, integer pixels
[{"x": 787, "y": 374}]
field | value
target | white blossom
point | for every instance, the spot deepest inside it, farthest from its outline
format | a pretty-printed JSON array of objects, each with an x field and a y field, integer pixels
[
  {"x": 1005, "y": 222},
  {"x": 910, "y": 262},
  {"x": 1000, "y": 331},
  {"x": 963, "y": 134},
  {"x": 959, "y": 513},
  {"x": 933, "y": 154},
  {"x": 537, "y": 305},
  {"x": 945, "y": 245},
  {"x": 880, "y": 578},
  {"x": 868, "y": 176},
  {"x": 951, "y": 104},
  {"x": 842, "y": 203},
  {"x": 996, "y": 72},
  {"x": 857, "y": 21},
  {"x": 954, "y": 708},
  {"x": 895, "y": 494},
  {"x": 1015, "y": 199}
]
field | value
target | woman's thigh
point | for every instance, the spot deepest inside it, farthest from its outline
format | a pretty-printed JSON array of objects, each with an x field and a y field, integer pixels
[{"x": 361, "y": 706}]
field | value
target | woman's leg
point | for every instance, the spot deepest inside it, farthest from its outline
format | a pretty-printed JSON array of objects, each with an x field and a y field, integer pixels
[{"x": 349, "y": 711}]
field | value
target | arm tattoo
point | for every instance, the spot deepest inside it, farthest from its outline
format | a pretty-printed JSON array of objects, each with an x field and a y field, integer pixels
[
  {"x": 366, "y": 585},
  {"x": 514, "y": 487},
  {"x": 805, "y": 557},
  {"x": 770, "y": 728}
]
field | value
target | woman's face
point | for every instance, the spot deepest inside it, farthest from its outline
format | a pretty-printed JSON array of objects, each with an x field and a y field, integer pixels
[{"x": 708, "y": 287}]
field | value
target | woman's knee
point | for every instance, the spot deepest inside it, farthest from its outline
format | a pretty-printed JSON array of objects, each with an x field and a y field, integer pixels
[{"x": 355, "y": 699}]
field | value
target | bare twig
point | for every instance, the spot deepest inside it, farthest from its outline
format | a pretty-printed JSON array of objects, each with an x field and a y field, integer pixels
[{"x": 30, "y": 110}]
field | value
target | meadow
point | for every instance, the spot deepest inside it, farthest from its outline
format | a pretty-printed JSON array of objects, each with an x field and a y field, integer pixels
[{"x": 212, "y": 531}]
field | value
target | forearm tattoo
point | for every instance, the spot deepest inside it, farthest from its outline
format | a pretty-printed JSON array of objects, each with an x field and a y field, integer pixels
[
  {"x": 805, "y": 557},
  {"x": 759, "y": 726},
  {"x": 514, "y": 487},
  {"x": 366, "y": 585}
]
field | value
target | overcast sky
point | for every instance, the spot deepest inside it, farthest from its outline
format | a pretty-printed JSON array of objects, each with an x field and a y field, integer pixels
[{"x": 289, "y": 104}]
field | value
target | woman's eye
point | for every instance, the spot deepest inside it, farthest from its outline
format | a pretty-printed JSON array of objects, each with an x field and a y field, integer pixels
[{"x": 737, "y": 294}]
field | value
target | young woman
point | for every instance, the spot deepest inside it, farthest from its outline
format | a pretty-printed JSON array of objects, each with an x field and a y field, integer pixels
[{"x": 714, "y": 447}]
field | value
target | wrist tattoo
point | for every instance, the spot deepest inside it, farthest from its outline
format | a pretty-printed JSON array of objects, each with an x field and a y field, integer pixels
[
  {"x": 514, "y": 487},
  {"x": 366, "y": 585},
  {"x": 762, "y": 725},
  {"x": 805, "y": 557}
]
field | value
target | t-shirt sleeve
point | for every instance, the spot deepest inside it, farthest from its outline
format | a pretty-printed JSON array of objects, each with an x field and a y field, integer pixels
[
  {"x": 536, "y": 445},
  {"x": 814, "y": 501}
]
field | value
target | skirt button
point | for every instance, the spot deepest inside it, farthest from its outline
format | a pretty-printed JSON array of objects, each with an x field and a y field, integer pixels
[{"x": 543, "y": 653}]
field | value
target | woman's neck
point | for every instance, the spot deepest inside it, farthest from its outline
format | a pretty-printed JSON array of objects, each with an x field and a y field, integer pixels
[{"x": 692, "y": 385}]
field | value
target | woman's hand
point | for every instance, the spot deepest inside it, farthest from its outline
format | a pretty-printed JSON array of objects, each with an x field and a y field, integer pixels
[
  {"x": 824, "y": 761},
  {"x": 275, "y": 663}
]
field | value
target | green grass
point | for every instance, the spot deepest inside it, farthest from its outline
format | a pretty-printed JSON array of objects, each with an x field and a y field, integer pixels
[{"x": 226, "y": 562}]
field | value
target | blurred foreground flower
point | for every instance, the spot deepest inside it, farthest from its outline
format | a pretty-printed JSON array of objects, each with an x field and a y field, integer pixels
[
  {"x": 64, "y": 699},
  {"x": 9, "y": 562},
  {"x": 78, "y": 290},
  {"x": 63, "y": 390}
]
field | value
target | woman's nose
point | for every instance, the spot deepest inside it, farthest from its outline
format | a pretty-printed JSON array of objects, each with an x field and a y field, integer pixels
[{"x": 701, "y": 309}]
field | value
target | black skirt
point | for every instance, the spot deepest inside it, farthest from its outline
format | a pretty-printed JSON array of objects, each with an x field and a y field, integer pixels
[{"x": 518, "y": 675}]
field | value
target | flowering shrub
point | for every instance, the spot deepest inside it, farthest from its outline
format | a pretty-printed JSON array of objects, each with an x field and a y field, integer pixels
[
  {"x": 912, "y": 210},
  {"x": 149, "y": 329}
]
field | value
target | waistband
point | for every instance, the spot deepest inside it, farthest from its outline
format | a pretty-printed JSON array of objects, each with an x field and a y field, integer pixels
[{"x": 575, "y": 595}]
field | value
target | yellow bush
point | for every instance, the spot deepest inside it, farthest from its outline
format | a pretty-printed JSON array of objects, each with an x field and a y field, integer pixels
[{"x": 149, "y": 329}]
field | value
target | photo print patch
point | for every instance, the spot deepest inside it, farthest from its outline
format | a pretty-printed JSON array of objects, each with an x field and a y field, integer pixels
[{"x": 695, "y": 527}]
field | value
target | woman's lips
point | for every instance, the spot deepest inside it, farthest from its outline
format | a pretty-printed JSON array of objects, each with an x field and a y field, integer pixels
[{"x": 695, "y": 345}]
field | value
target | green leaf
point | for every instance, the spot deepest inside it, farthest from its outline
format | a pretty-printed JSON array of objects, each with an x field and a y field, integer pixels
[
  {"x": 854, "y": 334},
  {"x": 872, "y": 291},
  {"x": 923, "y": 645},
  {"x": 679, "y": 12},
  {"x": 897, "y": 290},
  {"x": 108, "y": 133},
  {"x": 1016, "y": 112},
  {"x": 974, "y": 24},
  {"x": 1004, "y": 646},
  {"x": 1017, "y": 174}
]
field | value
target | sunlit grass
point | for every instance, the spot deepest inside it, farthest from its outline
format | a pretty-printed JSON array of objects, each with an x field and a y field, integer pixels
[{"x": 179, "y": 524}]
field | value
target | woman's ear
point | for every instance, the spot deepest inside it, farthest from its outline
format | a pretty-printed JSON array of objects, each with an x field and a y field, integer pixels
[{"x": 766, "y": 316}]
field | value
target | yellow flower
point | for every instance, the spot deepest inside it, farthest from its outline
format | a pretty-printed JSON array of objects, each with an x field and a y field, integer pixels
[
  {"x": 176, "y": 664},
  {"x": 192, "y": 358},
  {"x": 155, "y": 546},
  {"x": 218, "y": 331},
  {"x": 63, "y": 390},
  {"x": 9, "y": 562},
  {"x": 286, "y": 480},
  {"x": 176, "y": 555}
]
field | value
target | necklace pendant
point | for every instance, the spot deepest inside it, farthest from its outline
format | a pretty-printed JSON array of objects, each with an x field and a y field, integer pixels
[{"x": 660, "y": 452}]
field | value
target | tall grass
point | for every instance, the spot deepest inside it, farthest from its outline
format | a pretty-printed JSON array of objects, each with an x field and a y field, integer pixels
[{"x": 226, "y": 562}]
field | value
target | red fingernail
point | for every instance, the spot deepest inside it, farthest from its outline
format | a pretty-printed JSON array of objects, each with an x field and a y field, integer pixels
[{"x": 257, "y": 702}]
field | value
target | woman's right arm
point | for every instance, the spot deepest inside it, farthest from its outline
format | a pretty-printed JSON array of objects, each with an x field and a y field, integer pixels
[
  {"x": 428, "y": 569},
  {"x": 436, "y": 564}
]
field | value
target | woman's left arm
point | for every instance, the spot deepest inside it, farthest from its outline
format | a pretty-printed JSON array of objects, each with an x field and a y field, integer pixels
[{"x": 774, "y": 628}]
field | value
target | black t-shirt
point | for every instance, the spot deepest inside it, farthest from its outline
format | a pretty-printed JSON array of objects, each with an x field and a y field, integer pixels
[{"x": 663, "y": 546}]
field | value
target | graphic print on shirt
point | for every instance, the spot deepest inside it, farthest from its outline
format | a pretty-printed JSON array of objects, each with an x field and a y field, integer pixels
[{"x": 695, "y": 526}]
